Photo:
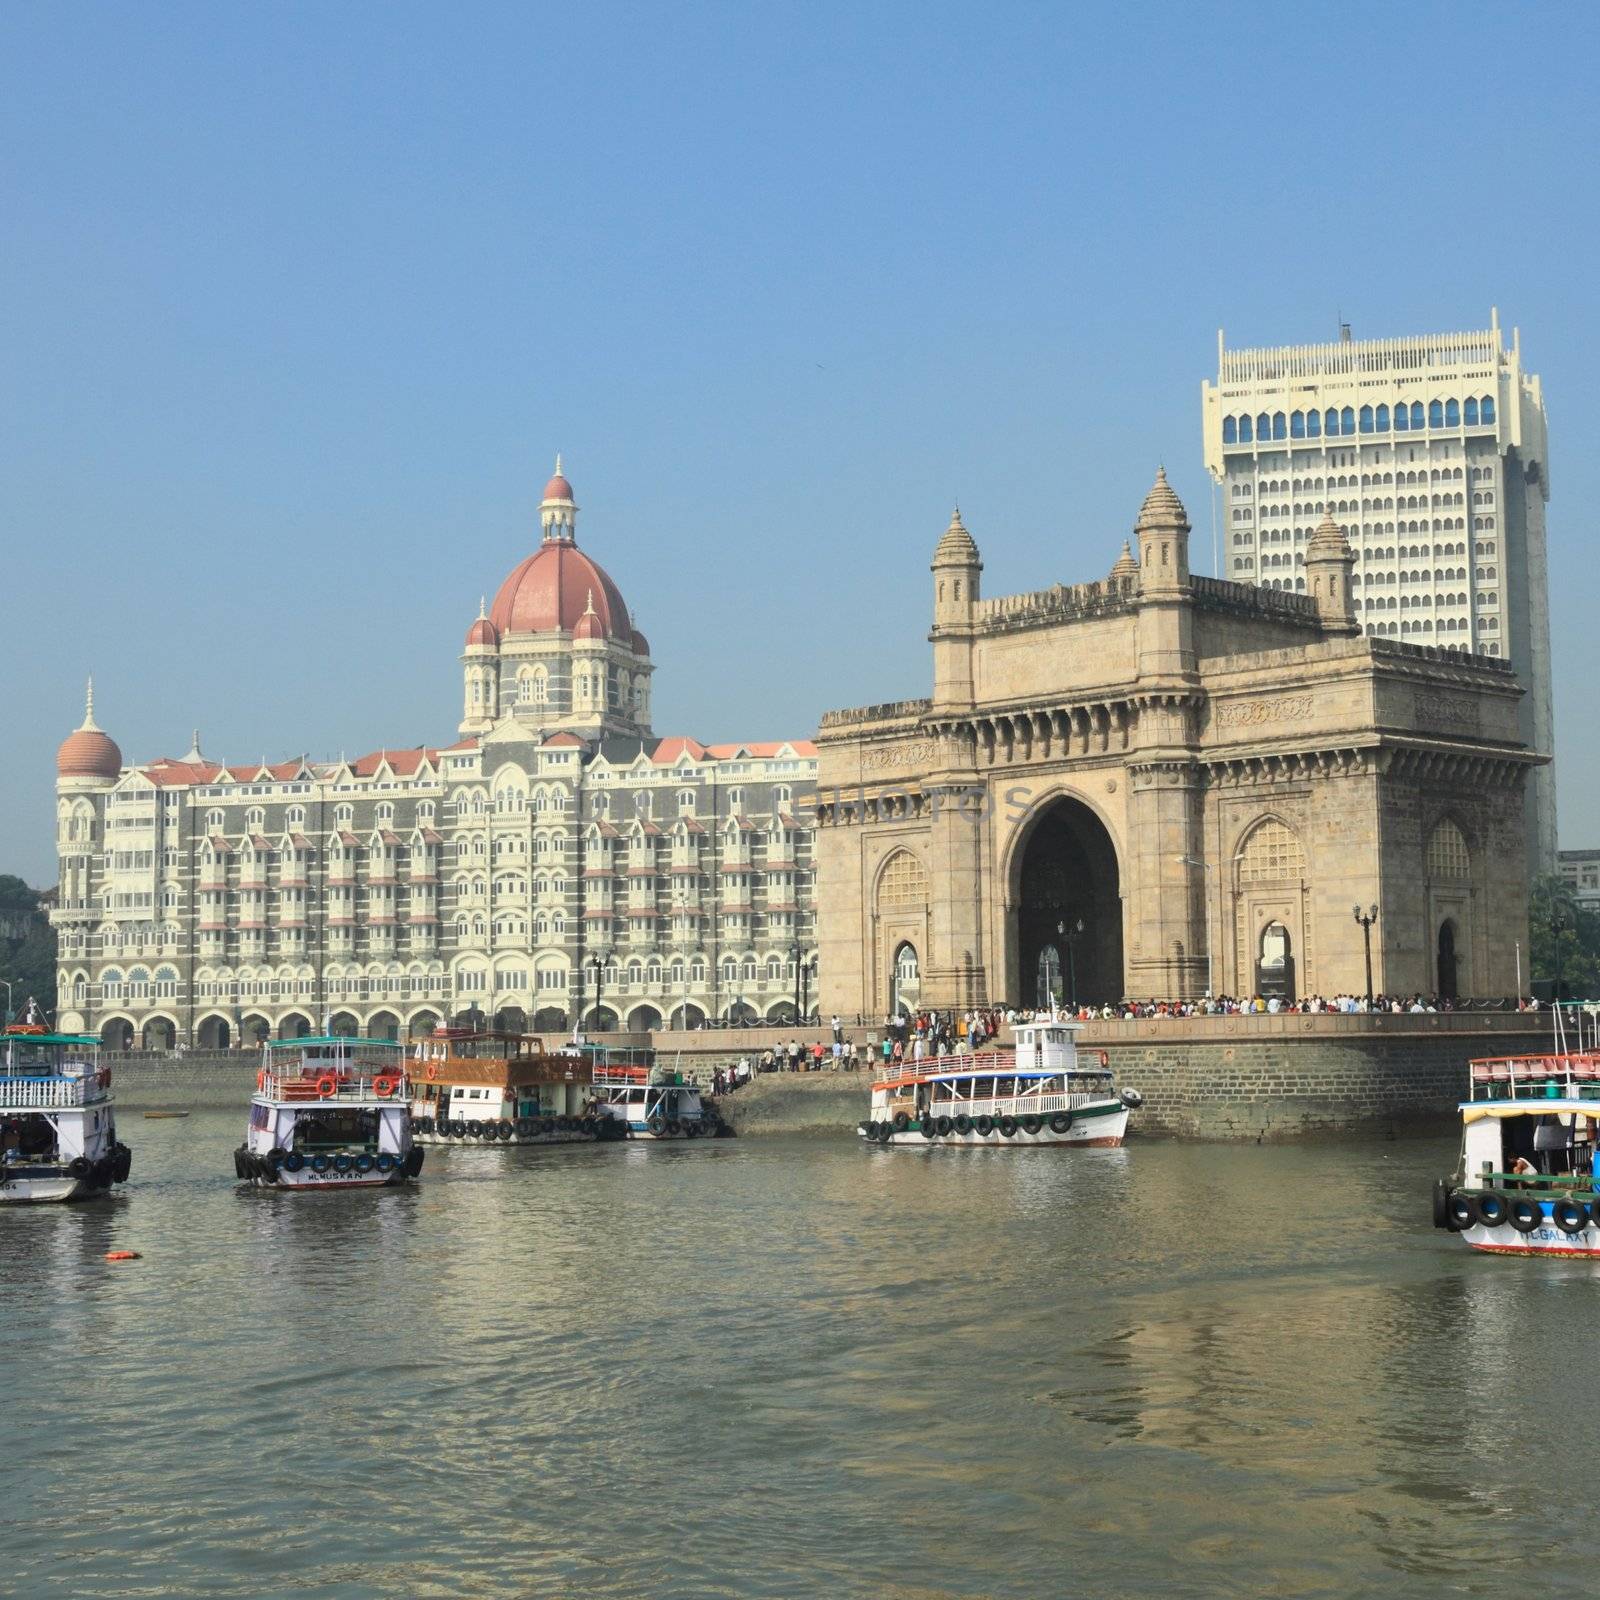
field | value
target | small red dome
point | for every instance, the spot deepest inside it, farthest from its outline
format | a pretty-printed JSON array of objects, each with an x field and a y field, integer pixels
[
  {"x": 552, "y": 590},
  {"x": 483, "y": 631},
  {"x": 558, "y": 488},
  {"x": 589, "y": 627},
  {"x": 88, "y": 753},
  {"x": 641, "y": 645}
]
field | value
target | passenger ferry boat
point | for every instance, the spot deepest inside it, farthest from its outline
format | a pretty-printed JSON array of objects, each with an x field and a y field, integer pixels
[
  {"x": 329, "y": 1113},
  {"x": 58, "y": 1129},
  {"x": 489, "y": 1088},
  {"x": 654, "y": 1102},
  {"x": 1526, "y": 1183},
  {"x": 1037, "y": 1094}
]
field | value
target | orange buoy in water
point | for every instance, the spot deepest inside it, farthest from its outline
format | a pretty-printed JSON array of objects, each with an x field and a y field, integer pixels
[{"x": 122, "y": 1255}]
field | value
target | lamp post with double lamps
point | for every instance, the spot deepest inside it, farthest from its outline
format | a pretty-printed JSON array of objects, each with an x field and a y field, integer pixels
[
  {"x": 597, "y": 965},
  {"x": 1366, "y": 920},
  {"x": 1208, "y": 868},
  {"x": 1070, "y": 937}
]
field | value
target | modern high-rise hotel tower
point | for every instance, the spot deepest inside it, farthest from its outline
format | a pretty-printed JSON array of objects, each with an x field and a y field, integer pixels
[{"x": 1430, "y": 452}]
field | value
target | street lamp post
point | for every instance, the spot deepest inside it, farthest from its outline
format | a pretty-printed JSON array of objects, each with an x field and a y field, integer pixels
[
  {"x": 7, "y": 983},
  {"x": 1070, "y": 937},
  {"x": 804, "y": 970},
  {"x": 1366, "y": 922},
  {"x": 1558, "y": 926},
  {"x": 597, "y": 965}
]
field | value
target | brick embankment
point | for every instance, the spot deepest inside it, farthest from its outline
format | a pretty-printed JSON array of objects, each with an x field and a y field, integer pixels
[{"x": 200, "y": 1080}]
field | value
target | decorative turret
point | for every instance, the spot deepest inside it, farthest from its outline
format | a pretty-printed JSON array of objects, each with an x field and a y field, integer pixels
[
  {"x": 558, "y": 511},
  {"x": 480, "y": 679},
  {"x": 1162, "y": 532},
  {"x": 1124, "y": 569},
  {"x": 956, "y": 566},
  {"x": 88, "y": 753},
  {"x": 1330, "y": 564}
]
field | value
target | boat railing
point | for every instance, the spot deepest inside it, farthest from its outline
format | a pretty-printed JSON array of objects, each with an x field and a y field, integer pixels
[
  {"x": 327, "y": 1087},
  {"x": 1535, "y": 1077},
  {"x": 50, "y": 1093},
  {"x": 1014, "y": 1105}
]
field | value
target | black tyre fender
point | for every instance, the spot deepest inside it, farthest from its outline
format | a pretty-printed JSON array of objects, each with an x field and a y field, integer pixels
[
  {"x": 365, "y": 1162},
  {"x": 1008, "y": 1127},
  {"x": 458, "y": 1130},
  {"x": 944, "y": 1125},
  {"x": 1525, "y": 1213},
  {"x": 673, "y": 1126},
  {"x": 1569, "y": 1216},
  {"x": 929, "y": 1127},
  {"x": 1441, "y": 1203},
  {"x": 1459, "y": 1212},
  {"x": 657, "y": 1126},
  {"x": 524, "y": 1127},
  {"x": 1491, "y": 1208},
  {"x": 79, "y": 1167},
  {"x": 985, "y": 1126},
  {"x": 1061, "y": 1122},
  {"x": 963, "y": 1123},
  {"x": 548, "y": 1125},
  {"x": 320, "y": 1162},
  {"x": 901, "y": 1122},
  {"x": 1033, "y": 1122},
  {"x": 413, "y": 1161},
  {"x": 123, "y": 1164},
  {"x": 343, "y": 1162},
  {"x": 294, "y": 1162}
]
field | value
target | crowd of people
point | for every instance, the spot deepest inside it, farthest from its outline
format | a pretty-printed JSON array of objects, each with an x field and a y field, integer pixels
[{"x": 927, "y": 1034}]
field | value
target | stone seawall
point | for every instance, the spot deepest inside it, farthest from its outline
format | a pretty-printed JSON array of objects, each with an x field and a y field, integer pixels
[{"x": 1242, "y": 1078}]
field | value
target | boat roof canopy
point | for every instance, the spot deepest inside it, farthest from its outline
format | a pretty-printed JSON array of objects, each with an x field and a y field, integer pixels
[
  {"x": 334, "y": 1039},
  {"x": 50, "y": 1038}
]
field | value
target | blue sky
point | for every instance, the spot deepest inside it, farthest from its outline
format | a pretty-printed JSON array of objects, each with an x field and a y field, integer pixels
[{"x": 298, "y": 303}]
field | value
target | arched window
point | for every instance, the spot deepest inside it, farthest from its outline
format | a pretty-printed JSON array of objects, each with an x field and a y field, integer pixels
[
  {"x": 1470, "y": 413},
  {"x": 1448, "y": 858},
  {"x": 1230, "y": 431},
  {"x": 1297, "y": 425},
  {"x": 1272, "y": 854},
  {"x": 1452, "y": 414},
  {"x": 903, "y": 884},
  {"x": 1330, "y": 423},
  {"x": 1416, "y": 416},
  {"x": 1278, "y": 425},
  {"x": 1486, "y": 409},
  {"x": 1381, "y": 419},
  {"x": 1245, "y": 434},
  {"x": 1313, "y": 424},
  {"x": 1347, "y": 420},
  {"x": 1402, "y": 419},
  {"x": 1366, "y": 419},
  {"x": 1435, "y": 414},
  {"x": 1263, "y": 426}
]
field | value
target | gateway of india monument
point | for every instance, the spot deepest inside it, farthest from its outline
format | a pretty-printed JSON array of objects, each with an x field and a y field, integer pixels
[{"x": 1159, "y": 784}]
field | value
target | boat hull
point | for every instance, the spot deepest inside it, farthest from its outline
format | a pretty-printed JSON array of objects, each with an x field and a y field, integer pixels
[
  {"x": 306, "y": 1181},
  {"x": 1545, "y": 1240},
  {"x": 50, "y": 1189},
  {"x": 490, "y": 1137},
  {"x": 1104, "y": 1131}
]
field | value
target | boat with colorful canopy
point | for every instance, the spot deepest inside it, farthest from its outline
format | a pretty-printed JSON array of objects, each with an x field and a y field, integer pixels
[{"x": 58, "y": 1129}]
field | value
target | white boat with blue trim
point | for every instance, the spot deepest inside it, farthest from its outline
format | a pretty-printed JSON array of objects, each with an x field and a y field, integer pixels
[
  {"x": 329, "y": 1113},
  {"x": 58, "y": 1127},
  {"x": 1037, "y": 1095},
  {"x": 1527, "y": 1182},
  {"x": 653, "y": 1102}
]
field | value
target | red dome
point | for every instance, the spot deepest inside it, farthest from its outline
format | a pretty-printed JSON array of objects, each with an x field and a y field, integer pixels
[
  {"x": 551, "y": 590},
  {"x": 558, "y": 488},
  {"x": 482, "y": 631},
  {"x": 88, "y": 753},
  {"x": 641, "y": 645},
  {"x": 589, "y": 627}
]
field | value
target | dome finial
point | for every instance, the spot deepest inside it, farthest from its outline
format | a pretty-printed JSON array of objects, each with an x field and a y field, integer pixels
[
  {"x": 589, "y": 611},
  {"x": 89, "y": 725},
  {"x": 483, "y": 606},
  {"x": 558, "y": 464},
  {"x": 1162, "y": 507}
]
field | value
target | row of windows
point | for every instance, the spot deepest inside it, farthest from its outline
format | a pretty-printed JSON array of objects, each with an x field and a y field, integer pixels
[{"x": 1335, "y": 421}]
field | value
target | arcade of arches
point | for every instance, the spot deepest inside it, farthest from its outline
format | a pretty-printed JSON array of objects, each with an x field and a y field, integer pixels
[{"x": 1154, "y": 784}]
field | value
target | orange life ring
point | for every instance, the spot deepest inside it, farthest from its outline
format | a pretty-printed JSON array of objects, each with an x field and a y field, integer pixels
[
  {"x": 327, "y": 1086},
  {"x": 384, "y": 1087},
  {"x": 261, "y": 1078},
  {"x": 433, "y": 1070}
]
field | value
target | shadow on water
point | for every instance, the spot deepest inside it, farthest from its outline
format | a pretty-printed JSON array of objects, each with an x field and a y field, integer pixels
[{"x": 763, "y": 1368}]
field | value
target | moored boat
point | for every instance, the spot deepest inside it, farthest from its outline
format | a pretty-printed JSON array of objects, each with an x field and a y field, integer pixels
[
  {"x": 329, "y": 1113},
  {"x": 1526, "y": 1181},
  {"x": 485, "y": 1088},
  {"x": 1037, "y": 1094},
  {"x": 58, "y": 1130},
  {"x": 653, "y": 1102}
]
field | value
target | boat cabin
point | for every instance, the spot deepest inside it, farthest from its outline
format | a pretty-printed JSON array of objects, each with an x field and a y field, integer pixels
[
  {"x": 55, "y": 1098},
  {"x": 465, "y": 1075},
  {"x": 1532, "y": 1122}
]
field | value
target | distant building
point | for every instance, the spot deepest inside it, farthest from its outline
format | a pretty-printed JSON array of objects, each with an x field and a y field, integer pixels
[
  {"x": 1158, "y": 783},
  {"x": 558, "y": 859},
  {"x": 1431, "y": 452},
  {"x": 1580, "y": 871}
]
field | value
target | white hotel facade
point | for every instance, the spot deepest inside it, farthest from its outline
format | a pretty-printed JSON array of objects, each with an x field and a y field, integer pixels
[
  {"x": 557, "y": 860},
  {"x": 1431, "y": 453}
]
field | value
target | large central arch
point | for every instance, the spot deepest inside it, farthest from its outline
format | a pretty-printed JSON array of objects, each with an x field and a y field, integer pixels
[{"x": 1066, "y": 872}]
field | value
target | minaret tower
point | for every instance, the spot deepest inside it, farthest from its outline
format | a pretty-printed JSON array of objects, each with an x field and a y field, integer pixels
[
  {"x": 956, "y": 566},
  {"x": 1330, "y": 564},
  {"x": 480, "y": 675}
]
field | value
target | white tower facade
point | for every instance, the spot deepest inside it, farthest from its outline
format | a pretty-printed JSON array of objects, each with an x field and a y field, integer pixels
[{"x": 1431, "y": 453}]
